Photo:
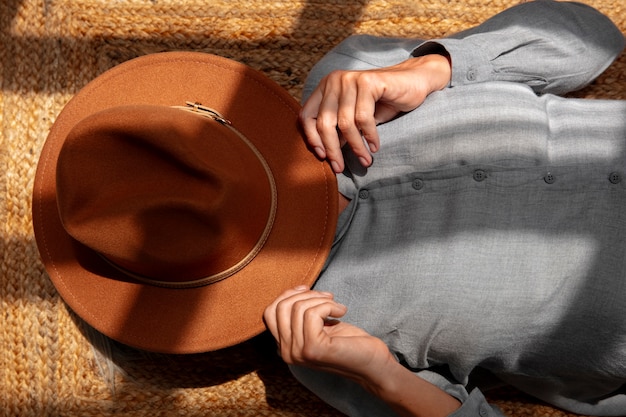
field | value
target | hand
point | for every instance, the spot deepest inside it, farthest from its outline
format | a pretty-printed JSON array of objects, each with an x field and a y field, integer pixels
[
  {"x": 305, "y": 325},
  {"x": 347, "y": 105}
]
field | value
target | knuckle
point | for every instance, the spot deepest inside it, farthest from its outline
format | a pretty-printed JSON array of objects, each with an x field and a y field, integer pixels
[
  {"x": 365, "y": 78},
  {"x": 303, "y": 114},
  {"x": 300, "y": 308},
  {"x": 325, "y": 123},
  {"x": 344, "y": 123},
  {"x": 308, "y": 314},
  {"x": 310, "y": 354},
  {"x": 282, "y": 306},
  {"x": 267, "y": 313},
  {"x": 336, "y": 74},
  {"x": 362, "y": 117}
]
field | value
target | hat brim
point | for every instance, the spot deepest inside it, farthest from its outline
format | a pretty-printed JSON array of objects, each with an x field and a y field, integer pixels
[{"x": 229, "y": 311}]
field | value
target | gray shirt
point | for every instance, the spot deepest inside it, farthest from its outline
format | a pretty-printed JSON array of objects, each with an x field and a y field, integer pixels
[{"x": 489, "y": 234}]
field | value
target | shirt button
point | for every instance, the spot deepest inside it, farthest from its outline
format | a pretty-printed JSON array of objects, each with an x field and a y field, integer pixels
[
  {"x": 417, "y": 184},
  {"x": 471, "y": 75},
  {"x": 615, "y": 177},
  {"x": 479, "y": 175},
  {"x": 364, "y": 194},
  {"x": 549, "y": 178}
]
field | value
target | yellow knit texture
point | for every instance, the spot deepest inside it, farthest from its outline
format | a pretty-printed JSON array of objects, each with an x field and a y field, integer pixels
[{"x": 53, "y": 365}]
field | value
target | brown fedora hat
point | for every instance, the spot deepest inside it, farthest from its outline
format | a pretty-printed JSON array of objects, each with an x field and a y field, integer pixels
[{"x": 175, "y": 198}]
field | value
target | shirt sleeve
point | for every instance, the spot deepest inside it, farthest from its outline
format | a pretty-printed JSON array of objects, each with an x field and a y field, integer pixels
[
  {"x": 553, "y": 47},
  {"x": 473, "y": 403},
  {"x": 354, "y": 401}
]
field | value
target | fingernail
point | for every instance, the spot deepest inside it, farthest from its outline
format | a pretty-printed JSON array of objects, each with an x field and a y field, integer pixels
[
  {"x": 320, "y": 152},
  {"x": 335, "y": 166},
  {"x": 364, "y": 161},
  {"x": 300, "y": 288}
]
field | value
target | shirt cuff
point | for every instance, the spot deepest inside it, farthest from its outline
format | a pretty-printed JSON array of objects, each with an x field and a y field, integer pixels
[
  {"x": 476, "y": 406},
  {"x": 470, "y": 64}
]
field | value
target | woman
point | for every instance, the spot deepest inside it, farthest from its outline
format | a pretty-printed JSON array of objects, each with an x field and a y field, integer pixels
[{"x": 481, "y": 230}]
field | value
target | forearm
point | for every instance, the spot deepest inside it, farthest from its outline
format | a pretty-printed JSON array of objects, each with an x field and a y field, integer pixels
[{"x": 409, "y": 395}]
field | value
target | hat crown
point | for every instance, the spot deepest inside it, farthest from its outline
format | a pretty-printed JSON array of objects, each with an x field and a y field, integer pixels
[
  {"x": 292, "y": 248},
  {"x": 167, "y": 196}
]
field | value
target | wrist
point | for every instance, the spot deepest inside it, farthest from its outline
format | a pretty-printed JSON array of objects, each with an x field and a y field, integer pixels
[
  {"x": 441, "y": 70},
  {"x": 431, "y": 72},
  {"x": 382, "y": 377},
  {"x": 408, "y": 394}
]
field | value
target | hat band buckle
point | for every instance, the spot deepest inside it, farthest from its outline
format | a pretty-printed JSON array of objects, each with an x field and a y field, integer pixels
[{"x": 197, "y": 108}]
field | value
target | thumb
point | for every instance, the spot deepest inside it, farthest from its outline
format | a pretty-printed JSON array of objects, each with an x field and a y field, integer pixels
[{"x": 384, "y": 113}]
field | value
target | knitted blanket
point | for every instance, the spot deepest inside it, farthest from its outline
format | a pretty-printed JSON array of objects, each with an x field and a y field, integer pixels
[{"x": 51, "y": 364}]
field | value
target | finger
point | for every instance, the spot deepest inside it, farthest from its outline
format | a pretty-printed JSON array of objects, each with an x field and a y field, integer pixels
[
  {"x": 384, "y": 113},
  {"x": 326, "y": 125},
  {"x": 308, "y": 120},
  {"x": 365, "y": 112},
  {"x": 347, "y": 120},
  {"x": 310, "y": 316},
  {"x": 356, "y": 115},
  {"x": 283, "y": 330},
  {"x": 271, "y": 311},
  {"x": 315, "y": 346}
]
